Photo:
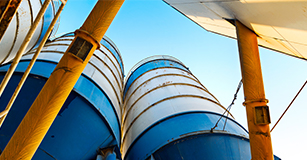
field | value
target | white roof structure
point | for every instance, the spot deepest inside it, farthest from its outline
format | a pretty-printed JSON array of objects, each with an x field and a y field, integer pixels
[{"x": 281, "y": 25}]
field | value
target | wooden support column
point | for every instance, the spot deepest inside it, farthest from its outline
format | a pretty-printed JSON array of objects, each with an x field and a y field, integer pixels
[{"x": 257, "y": 111}]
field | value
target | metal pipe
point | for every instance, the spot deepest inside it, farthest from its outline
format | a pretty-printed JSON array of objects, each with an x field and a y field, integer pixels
[
  {"x": 63, "y": 1},
  {"x": 48, "y": 103},
  {"x": 11, "y": 7},
  {"x": 256, "y": 105},
  {"x": 26, "y": 73},
  {"x": 4, "y": 4},
  {"x": 3, "y": 113},
  {"x": 23, "y": 47}
]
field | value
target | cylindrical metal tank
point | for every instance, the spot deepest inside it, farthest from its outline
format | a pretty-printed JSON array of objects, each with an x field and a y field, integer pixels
[
  {"x": 89, "y": 120},
  {"x": 20, "y": 25},
  {"x": 169, "y": 114}
]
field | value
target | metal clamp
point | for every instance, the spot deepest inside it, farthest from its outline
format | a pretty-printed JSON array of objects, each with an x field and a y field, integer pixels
[{"x": 255, "y": 100}]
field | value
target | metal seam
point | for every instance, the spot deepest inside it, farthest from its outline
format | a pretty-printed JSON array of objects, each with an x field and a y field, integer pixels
[
  {"x": 15, "y": 38},
  {"x": 117, "y": 80},
  {"x": 60, "y": 52},
  {"x": 176, "y": 115},
  {"x": 165, "y": 99},
  {"x": 114, "y": 57},
  {"x": 143, "y": 62},
  {"x": 41, "y": 31},
  {"x": 119, "y": 73},
  {"x": 48, "y": 45},
  {"x": 53, "y": 7},
  {"x": 171, "y": 84},
  {"x": 120, "y": 91},
  {"x": 188, "y": 71},
  {"x": 108, "y": 81},
  {"x": 149, "y": 71},
  {"x": 63, "y": 39},
  {"x": 197, "y": 133},
  {"x": 125, "y": 99},
  {"x": 55, "y": 44},
  {"x": 161, "y": 75},
  {"x": 206, "y": 88},
  {"x": 178, "y": 62},
  {"x": 31, "y": 12},
  {"x": 114, "y": 46}
]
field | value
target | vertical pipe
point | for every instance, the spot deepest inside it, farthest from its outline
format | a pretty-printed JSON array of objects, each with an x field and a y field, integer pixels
[
  {"x": 26, "y": 73},
  {"x": 23, "y": 47},
  {"x": 48, "y": 103},
  {"x": 259, "y": 132}
]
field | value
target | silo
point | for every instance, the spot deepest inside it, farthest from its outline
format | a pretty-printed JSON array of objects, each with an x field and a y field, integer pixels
[
  {"x": 89, "y": 120},
  {"x": 20, "y": 25},
  {"x": 169, "y": 114}
]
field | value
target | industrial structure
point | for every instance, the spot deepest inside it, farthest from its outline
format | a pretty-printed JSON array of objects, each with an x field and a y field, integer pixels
[
  {"x": 67, "y": 98},
  {"x": 90, "y": 118},
  {"x": 170, "y": 112},
  {"x": 21, "y": 23}
]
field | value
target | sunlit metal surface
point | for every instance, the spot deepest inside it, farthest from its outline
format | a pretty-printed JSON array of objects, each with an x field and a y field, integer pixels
[
  {"x": 26, "y": 73},
  {"x": 100, "y": 68},
  {"x": 20, "y": 25},
  {"x": 90, "y": 117},
  {"x": 164, "y": 102},
  {"x": 281, "y": 25}
]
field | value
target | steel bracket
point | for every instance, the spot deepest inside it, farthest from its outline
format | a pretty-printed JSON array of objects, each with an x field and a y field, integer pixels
[{"x": 262, "y": 116}]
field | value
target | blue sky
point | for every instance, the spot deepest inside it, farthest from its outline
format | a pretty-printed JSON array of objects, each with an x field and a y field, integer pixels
[{"x": 144, "y": 28}]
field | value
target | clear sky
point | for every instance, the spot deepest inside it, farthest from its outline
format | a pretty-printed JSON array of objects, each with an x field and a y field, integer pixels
[{"x": 144, "y": 28}]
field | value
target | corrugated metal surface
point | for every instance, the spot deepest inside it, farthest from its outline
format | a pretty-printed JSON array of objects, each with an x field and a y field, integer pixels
[
  {"x": 164, "y": 102},
  {"x": 89, "y": 119},
  {"x": 20, "y": 25},
  {"x": 281, "y": 25}
]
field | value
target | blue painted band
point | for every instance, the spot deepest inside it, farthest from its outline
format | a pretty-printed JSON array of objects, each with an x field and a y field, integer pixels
[
  {"x": 150, "y": 65},
  {"x": 111, "y": 48},
  {"x": 178, "y": 126},
  {"x": 211, "y": 146},
  {"x": 105, "y": 43},
  {"x": 67, "y": 35},
  {"x": 48, "y": 17},
  {"x": 84, "y": 86},
  {"x": 78, "y": 130}
]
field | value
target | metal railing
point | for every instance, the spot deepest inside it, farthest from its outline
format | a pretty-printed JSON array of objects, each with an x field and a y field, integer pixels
[{"x": 21, "y": 50}]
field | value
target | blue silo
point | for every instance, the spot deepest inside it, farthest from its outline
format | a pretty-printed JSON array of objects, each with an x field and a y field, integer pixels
[
  {"x": 169, "y": 114},
  {"x": 89, "y": 120}
]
